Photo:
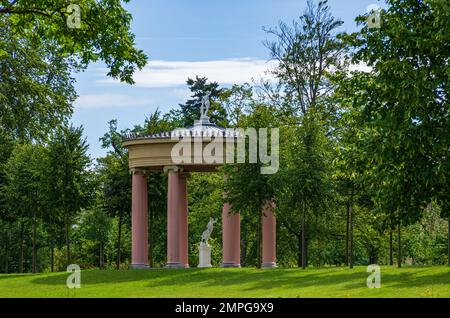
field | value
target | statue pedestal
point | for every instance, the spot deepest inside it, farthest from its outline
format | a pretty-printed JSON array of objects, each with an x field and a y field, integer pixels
[{"x": 204, "y": 256}]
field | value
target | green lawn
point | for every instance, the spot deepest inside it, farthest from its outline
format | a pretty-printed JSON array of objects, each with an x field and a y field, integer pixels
[{"x": 245, "y": 282}]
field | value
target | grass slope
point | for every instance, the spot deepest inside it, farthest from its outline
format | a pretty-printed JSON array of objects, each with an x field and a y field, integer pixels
[{"x": 245, "y": 282}]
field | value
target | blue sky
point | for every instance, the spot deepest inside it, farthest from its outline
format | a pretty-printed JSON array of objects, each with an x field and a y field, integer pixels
[{"x": 220, "y": 39}]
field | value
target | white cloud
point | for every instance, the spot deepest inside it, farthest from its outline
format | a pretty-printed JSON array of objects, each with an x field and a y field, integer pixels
[
  {"x": 161, "y": 73},
  {"x": 168, "y": 81},
  {"x": 361, "y": 67},
  {"x": 110, "y": 100}
]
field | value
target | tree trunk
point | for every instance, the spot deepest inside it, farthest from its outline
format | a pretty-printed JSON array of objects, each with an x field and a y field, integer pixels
[
  {"x": 350, "y": 260},
  {"x": 399, "y": 248},
  {"x": 306, "y": 250},
  {"x": 259, "y": 247},
  {"x": 150, "y": 238},
  {"x": 448, "y": 246},
  {"x": 244, "y": 248},
  {"x": 304, "y": 235},
  {"x": 119, "y": 241},
  {"x": 299, "y": 251},
  {"x": 52, "y": 256},
  {"x": 391, "y": 248},
  {"x": 22, "y": 229},
  {"x": 34, "y": 262},
  {"x": 66, "y": 234},
  {"x": 101, "y": 256},
  {"x": 347, "y": 235},
  {"x": 7, "y": 249}
]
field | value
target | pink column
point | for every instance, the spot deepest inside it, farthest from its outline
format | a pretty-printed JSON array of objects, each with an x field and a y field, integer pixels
[
  {"x": 184, "y": 247},
  {"x": 268, "y": 237},
  {"x": 231, "y": 237},
  {"x": 175, "y": 238},
  {"x": 139, "y": 236}
]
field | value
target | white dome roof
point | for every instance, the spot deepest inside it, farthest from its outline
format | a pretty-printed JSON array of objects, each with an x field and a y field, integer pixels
[{"x": 201, "y": 128}]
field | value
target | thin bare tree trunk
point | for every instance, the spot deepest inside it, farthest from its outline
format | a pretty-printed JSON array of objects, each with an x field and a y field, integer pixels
[
  {"x": 7, "y": 249},
  {"x": 52, "y": 256},
  {"x": 304, "y": 235},
  {"x": 22, "y": 228},
  {"x": 306, "y": 250},
  {"x": 351, "y": 230},
  {"x": 34, "y": 261},
  {"x": 119, "y": 241},
  {"x": 399, "y": 247},
  {"x": 244, "y": 247},
  {"x": 259, "y": 242},
  {"x": 391, "y": 248},
  {"x": 66, "y": 221},
  {"x": 101, "y": 256},
  {"x": 347, "y": 235},
  {"x": 150, "y": 239},
  {"x": 448, "y": 246}
]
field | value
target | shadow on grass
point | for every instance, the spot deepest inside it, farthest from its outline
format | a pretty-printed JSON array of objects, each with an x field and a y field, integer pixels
[
  {"x": 411, "y": 277},
  {"x": 92, "y": 277},
  {"x": 263, "y": 279},
  {"x": 248, "y": 279}
]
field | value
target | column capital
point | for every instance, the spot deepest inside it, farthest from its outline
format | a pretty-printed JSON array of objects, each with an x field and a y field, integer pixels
[
  {"x": 139, "y": 171},
  {"x": 185, "y": 175},
  {"x": 168, "y": 169}
]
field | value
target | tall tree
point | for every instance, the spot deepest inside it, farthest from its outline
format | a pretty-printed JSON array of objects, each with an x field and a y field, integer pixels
[
  {"x": 24, "y": 173},
  {"x": 406, "y": 103},
  {"x": 302, "y": 185},
  {"x": 115, "y": 181},
  {"x": 70, "y": 179},
  {"x": 307, "y": 52}
]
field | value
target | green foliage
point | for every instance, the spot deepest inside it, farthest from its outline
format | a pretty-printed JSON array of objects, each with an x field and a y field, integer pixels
[
  {"x": 39, "y": 52},
  {"x": 93, "y": 228},
  {"x": 205, "y": 201},
  {"x": 361, "y": 153},
  {"x": 104, "y": 33},
  {"x": 36, "y": 87},
  {"x": 403, "y": 104},
  {"x": 24, "y": 176},
  {"x": 306, "y": 52},
  {"x": 246, "y": 188},
  {"x": 70, "y": 181},
  {"x": 303, "y": 189}
]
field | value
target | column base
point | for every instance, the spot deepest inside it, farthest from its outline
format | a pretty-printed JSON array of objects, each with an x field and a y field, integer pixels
[
  {"x": 140, "y": 266},
  {"x": 227, "y": 265},
  {"x": 176, "y": 265},
  {"x": 269, "y": 265}
]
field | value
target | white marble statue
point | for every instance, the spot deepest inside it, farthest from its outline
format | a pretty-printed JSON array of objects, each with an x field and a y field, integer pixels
[
  {"x": 207, "y": 233},
  {"x": 204, "y": 255}
]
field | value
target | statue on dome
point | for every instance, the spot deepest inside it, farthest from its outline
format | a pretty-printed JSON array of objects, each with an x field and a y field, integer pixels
[{"x": 204, "y": 108}]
